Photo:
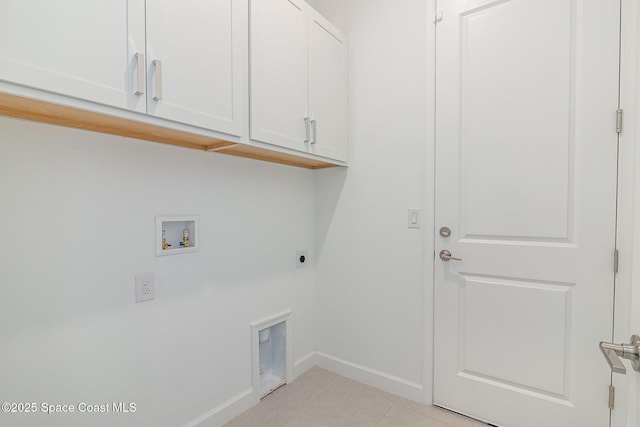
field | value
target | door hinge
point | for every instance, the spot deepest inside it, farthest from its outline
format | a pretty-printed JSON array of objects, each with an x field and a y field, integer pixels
[
  {"x": 616, "y": 260},
  {"x": 619, "y": 120},
  {"x": 612, "y": 396},
  {"x": 438, "y": 17}
]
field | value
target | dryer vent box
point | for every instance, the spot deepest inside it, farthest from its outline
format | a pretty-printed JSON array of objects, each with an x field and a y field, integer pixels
[{"x": 272, "y": 364}]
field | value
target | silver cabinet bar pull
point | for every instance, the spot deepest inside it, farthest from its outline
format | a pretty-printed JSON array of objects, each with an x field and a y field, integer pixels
[
  {"x": 314, "y": 131},
  {"x": 140, "y": 74},
  {"x": 158, "y": 65},
  {"x": 445, "y": 255},
  {"x": 613, "y": 352},
  {"x": 306, "y": 127}
]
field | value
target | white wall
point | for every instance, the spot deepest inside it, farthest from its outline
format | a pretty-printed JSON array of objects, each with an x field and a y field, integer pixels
[
  {"x": 627, "y": 319},
  {"x": 77, "y": 223},
  {"x": 631, "y": 187},
  {"x": 628, "y": 293},
  {"x": 371, "y": 276},
  {"x": 627, "y": 313}
]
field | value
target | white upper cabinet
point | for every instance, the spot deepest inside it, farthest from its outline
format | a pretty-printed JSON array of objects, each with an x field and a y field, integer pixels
[
  {"x": 181, "y": 61},
  {"x": 194, "y": 57},
  {"x": 327, "y": 89},
  {"x": 298, "y": 79},
  {"x": 82, "y": 49},
  {"x": 278, "y": 69},
  {"x": 263, "y": 79}
]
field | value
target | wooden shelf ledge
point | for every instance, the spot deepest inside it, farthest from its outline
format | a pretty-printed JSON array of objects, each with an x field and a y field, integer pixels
[
  {"x": 46, "y": 112},
  {"x": 258, "y": 153}
]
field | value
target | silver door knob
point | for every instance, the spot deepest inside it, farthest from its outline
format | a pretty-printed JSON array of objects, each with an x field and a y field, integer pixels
[{"x": 445, "y": 255}]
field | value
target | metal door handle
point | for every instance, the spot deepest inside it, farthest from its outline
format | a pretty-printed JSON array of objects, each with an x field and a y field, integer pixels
[
  {"x": 140, "y": 78},
  {"x": 158, "y": 64},
  {"x": 306, "y": 127},
  {"x": 445, "y": 255},
  {"x": 613, "y": 352},
  {"x": 314, "y": 131}
]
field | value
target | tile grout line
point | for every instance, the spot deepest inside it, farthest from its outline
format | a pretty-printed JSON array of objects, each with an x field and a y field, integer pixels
[{"x": 385, "y": 414}]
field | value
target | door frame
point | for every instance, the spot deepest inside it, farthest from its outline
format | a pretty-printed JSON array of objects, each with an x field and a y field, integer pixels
[
  {"x": 624, "y": 413},
  {"x": 628, "y": 209},
  {"x": 428, "y": 228}
]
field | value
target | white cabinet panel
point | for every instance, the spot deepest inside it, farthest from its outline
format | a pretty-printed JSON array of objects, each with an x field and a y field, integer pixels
[
  {"x": 298, "y": 79},
  {"x": 87, "y": 50},
  {"x": 76, "y": 48},
  {"x": 327, "y": 89},
  {"x": 107, "y": 65},
  {"x": 197, "y": 45},
  {"x": 278, "y": 63}
]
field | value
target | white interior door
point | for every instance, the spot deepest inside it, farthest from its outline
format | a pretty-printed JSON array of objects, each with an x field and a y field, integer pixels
[{"x": 526, "y": 171}]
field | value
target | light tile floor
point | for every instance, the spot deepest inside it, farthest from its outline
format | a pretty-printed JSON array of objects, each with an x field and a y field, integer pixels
[{"x": 322, "y": 398}]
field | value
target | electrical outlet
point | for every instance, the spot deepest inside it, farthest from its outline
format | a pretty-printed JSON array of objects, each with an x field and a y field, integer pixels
[
  {"x": 145, "y": 287},
  {"x": 302, "y": 259}
]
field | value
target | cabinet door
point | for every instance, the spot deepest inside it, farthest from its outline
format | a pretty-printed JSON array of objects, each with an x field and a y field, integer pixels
[
  {"x": 278, "y": 68},
  {"x": 194, "y": 58},
  {"x": 327, "y": 89},
  {"x": 83, "y": 49}
]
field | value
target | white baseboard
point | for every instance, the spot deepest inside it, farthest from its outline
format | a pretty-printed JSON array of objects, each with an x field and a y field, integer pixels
[
  {"x": 226, "y": 411},
  {"x": 233, "y": 407},
  {"x": 303, "y": 364},
  {"x": 377, "y": 379}
]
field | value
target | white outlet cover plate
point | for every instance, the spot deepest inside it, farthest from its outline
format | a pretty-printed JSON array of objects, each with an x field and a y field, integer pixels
[{"x": 145, "y": 287}]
